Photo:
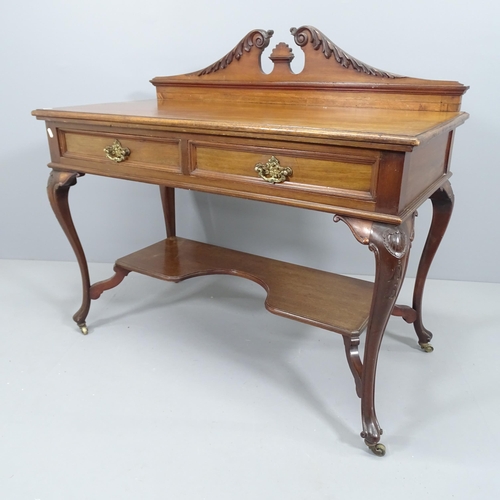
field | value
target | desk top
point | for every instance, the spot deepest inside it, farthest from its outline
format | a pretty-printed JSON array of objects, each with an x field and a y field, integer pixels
[{"x": 382, "y": 126}]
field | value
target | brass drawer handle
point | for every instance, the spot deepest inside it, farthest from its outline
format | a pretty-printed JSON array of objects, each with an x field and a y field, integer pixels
[
  {"x": 272, "y": 171},
  {"x": 116, "y": 152}
]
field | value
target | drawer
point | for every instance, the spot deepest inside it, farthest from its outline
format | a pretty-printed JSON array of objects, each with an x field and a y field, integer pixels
[
  {"x": 338, "y": 172},
  {"x": 153, "y": 152}
]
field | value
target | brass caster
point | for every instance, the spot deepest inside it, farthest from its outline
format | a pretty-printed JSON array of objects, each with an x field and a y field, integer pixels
[
  {"x": 377, "y": 449},
  {"x": 83, "y": 328},
  {"x": 426, "y": 347}
]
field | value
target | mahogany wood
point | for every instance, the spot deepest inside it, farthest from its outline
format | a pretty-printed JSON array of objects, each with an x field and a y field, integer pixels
[
  {"x": 342, "y": 80},
  {"x": 101, "y": 286},
  {"x": 442, "y": 203},
  {"x": 351, "y": 345},
  {"x": 356, "y": 141},
  {"x": 168, "y": 203},
  {"x": 377, "y": 189},
  {"x": 57, "y": 190},
  {"x": 389, "y": 129},
  {"x": 406, "y": 312},
  {"x": 391, "y": 247},
  {"x": 330, "y": 301}
]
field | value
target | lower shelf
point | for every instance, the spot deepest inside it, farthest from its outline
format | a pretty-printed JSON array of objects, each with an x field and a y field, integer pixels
[{"x": 326, "y": 300}]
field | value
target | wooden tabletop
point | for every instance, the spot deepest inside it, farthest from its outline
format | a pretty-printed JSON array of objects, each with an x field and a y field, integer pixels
[{"x": 359, "y": 124}]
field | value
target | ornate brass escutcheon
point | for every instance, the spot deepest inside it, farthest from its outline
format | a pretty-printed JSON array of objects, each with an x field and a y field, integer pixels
[
  {"x": 116, "y": 152},
  {"x": 272, "y": 171}
]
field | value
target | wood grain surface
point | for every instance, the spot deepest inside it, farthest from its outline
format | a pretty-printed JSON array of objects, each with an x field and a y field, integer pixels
[{"x": 318, "y": 298}]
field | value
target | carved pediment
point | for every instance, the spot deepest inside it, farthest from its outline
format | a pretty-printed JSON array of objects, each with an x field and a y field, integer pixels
[
  {"x": 256, "y": 38},
  {"x": 327, "y": 67},
  {"x": 320, "y": 42}
]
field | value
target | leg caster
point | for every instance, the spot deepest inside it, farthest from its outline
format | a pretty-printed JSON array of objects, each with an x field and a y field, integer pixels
[
  {"x": 83, "y": 328},
  {"x": 376, "y": 448},
  {"x": 426, "y": 347}
]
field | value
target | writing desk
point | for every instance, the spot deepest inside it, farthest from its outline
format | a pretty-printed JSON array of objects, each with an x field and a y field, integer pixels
[{"x": 341, "y": 137}]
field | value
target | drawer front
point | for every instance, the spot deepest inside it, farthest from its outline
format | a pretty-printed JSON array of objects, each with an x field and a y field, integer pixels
[
  {"x": 151, "y": 152},
  {"x": 335, "y": 173}
]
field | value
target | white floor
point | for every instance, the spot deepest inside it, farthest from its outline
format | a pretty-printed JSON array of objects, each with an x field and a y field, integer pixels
[{"x": 194, "y": 391}]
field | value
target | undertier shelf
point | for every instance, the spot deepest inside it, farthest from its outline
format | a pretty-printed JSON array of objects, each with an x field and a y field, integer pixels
[{"x": 326, "y": 300}]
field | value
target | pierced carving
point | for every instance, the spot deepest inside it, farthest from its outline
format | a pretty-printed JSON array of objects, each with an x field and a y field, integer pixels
[
  {"x": 396, "y": 242},
  {"x": 320, "y": 41},
  {"x": 257, "y": 38}
]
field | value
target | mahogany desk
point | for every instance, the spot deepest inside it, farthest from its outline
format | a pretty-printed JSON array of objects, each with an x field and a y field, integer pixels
[{"x": 340, "y": 137}]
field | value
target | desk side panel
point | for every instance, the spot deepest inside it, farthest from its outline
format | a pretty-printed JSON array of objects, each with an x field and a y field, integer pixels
[{"x": 424, "y": 167}]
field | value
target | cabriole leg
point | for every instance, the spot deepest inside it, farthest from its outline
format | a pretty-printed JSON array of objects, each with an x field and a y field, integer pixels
[
  {"x": 391, "y": 246},
  {"x": 57, "y": 190},
  {"x": 442, "y": 204}
]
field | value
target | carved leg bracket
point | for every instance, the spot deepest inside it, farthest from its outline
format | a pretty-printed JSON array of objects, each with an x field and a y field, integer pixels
[{"x": 353, "y": 359}]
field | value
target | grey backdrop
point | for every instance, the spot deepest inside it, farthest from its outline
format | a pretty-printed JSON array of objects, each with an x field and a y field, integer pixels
[{"x": 58, "y": 53}]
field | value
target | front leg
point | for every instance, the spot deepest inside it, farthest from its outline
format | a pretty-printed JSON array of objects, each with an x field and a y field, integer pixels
[
  {"x": 391, "y": 246},
  {"x": 57, "y": 190}
]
